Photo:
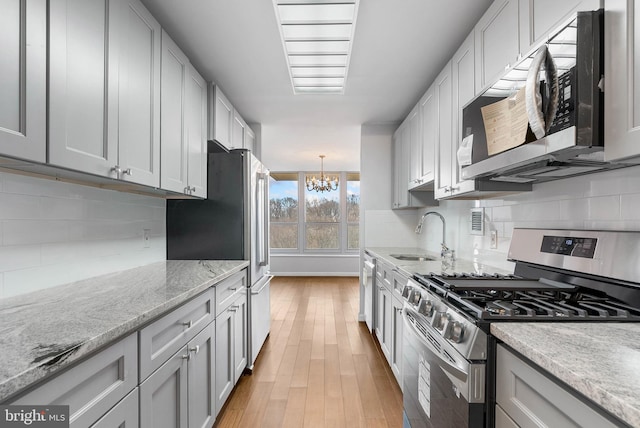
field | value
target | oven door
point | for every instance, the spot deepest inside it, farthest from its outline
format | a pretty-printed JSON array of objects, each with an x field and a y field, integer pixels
[{"x": 441, "y": 389}]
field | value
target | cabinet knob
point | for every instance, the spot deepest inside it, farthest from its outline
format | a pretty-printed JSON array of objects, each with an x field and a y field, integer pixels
[
  {"x": 186, "y": 357},
  {"x": 117, "y": 170},
  {"x": 195, "y": 349},
  {"x": 127, "y": 172},
  {"x": 188, "y": 324}
]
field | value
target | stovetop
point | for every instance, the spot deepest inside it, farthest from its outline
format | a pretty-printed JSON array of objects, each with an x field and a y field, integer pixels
[{"x": 510, "y": 297}]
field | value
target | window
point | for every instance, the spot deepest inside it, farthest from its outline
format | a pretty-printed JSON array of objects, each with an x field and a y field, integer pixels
[
  {"x": 323, "y": 222},
  {"x": 283, "y": 207}
]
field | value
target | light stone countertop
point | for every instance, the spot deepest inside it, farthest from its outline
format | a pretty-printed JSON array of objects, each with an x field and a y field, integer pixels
[
  {"x": 438, "y": 266},
  {"x": 599, "y": 360},
  {"x": 44, "y": 331}
]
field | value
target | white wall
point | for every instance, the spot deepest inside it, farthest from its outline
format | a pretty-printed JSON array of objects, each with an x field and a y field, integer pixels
[
  {"x": 607, "y": 201},
  {"x": 53, "y": 233}
]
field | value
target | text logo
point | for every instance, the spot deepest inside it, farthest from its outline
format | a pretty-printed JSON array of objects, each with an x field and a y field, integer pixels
[{"x": 34, "y": 416}]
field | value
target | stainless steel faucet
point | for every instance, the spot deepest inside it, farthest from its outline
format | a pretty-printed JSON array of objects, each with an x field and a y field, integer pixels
[{"x": 444, "y": 249}]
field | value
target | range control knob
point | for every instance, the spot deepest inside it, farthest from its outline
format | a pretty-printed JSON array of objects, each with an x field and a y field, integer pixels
[
  {"x": 406, "y": 291},
  {"x": 415, "y": 297},
  {"x": 440, "y": 320},
  {"x": 456, "y": 332},
  {"x": 426, "y": 307}
]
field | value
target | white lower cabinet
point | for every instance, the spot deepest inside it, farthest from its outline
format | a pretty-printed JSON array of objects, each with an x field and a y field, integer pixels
[
  {"x": 396, "y": 338},
  {"x": 528, "y": 397},
  {"x": 180, "y": 393},
  {"x": 231, "y": 347},
  {"x": 123, "y": 415},
  {"x": 92, "y": 387}
]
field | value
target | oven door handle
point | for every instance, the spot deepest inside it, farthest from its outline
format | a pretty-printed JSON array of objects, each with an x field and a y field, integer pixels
[{"x": 454, "y": 370}]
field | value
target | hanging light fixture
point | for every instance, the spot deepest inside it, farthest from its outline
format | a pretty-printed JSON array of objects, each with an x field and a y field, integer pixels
[{"x": 324, "y": 183}]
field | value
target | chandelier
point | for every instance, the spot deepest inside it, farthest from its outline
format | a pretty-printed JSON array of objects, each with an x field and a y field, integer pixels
[{"x": 324, "y": 183}]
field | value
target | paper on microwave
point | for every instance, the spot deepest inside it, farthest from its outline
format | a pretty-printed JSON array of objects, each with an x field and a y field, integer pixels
[
  {"x": 465, "y": 151},
  {"x": 505, "y": 123}
]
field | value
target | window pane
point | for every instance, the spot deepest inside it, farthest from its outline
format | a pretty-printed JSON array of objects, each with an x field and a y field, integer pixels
[
  {"x": 322, "y": 236},
  {"x": 321, "y": 207},
  {"x": 283, "y": 197},
  {"x": 353, "y": 199},
  {"x": 353, "y": 236},
  {"x": 284, "y": 235}
]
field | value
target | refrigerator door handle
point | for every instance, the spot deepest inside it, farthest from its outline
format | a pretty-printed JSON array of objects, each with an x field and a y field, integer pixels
[
  {"x": 267, "y": 280},
  {"x": 263, "y": 212}
]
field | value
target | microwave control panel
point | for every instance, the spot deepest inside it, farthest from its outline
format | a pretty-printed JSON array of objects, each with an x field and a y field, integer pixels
[{"x": 565, "y": 115}]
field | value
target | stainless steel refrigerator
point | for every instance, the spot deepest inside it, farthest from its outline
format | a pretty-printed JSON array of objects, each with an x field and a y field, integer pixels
[{"x": 231, "y": 224}]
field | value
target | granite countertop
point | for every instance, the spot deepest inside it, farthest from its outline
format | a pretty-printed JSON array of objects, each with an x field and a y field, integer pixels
[
  {"x": 44, "y": 331},
  {"x": 599, "y": 360},
  {"x": 438, "y": 266}
]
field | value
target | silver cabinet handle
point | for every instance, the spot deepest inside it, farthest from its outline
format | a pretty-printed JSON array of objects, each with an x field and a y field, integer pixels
[
  {"x": 195, "y": 349},
  {"x": 127, "y": 172},
  {"x": 117, "y": 170},
  {"x": 186, "y": 357},
  {"x": 188, "y": 324},
  {"x": 233, "y": 288}
]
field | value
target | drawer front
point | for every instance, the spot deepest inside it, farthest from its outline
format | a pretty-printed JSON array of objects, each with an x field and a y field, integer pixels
[
  {"x": 92, "y": 387},
  {"x": 164, "y": 337},
  {"x": 399, "y": 281},
  {"x": 228, "y": 290},
  {"x": 385, "y": 273},
  {"x": 123, "y": 415}
]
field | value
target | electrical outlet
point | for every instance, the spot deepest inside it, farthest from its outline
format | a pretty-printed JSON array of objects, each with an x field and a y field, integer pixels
[
  {"x": 146, "y": 237},
  {"x": 494, "y": 239}
]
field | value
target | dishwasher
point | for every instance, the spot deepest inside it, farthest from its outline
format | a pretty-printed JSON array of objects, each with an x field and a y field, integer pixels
[{"x": 368, "y": 276}]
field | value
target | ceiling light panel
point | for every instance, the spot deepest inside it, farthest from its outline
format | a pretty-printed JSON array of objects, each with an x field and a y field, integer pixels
[{"x": 317, "y": 39}]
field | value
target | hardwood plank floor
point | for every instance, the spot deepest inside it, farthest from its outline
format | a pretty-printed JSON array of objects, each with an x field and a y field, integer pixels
[{"x": 319, "y": 367}]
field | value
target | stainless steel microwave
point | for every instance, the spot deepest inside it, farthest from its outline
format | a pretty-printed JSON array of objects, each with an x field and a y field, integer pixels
[{"x": 562, "y": 84}]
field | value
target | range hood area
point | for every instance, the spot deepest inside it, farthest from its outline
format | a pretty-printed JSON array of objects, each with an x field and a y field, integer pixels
[{"x": 550, "y": 158}]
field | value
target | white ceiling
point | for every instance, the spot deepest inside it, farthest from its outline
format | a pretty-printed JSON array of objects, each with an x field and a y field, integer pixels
[{"x": 399, "y": 47}]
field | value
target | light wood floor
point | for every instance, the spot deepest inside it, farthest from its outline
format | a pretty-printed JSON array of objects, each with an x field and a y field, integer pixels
[{"x": 319, "y": 367}]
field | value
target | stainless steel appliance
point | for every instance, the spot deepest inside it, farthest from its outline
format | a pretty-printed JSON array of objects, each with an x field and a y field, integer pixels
[
  {"x": 368, "y": 278},
  {"x": 231, "y": 224},
  {"x": 560, "y": 275},
  {"x": 571, "y": 141}
]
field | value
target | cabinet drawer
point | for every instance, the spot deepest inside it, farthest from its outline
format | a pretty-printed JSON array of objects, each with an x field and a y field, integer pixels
[
  {"x": 92, "y": 387},
  {"x": 532, "y": 399},
  {"x": 228, "y": 290},
  {"x": 163, "y": 338},
  {"x": 123, "y": 415}
]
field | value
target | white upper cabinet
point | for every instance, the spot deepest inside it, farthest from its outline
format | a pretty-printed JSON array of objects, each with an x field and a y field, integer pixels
[
  {"x": 139, "y": 95},
  {"x": 463, "y": 91},
  {"x": 496, "y": 41},
  {"x": 196, "y": 133},
  {"x": 220, "y": 116},
  {"x": 83, "y": 85},
  {"x": 238, "y": 130},
  {"x": 23, "y": 55},
  {"x": 415, "y": 148},
  {"x": 622, "y": 80},
  {"x": 539, "y": 17},
  {"x": 173, "y": 127},
  {"x": 442, "y": 88},
  {"x": 250, "y": 140},
  {"x": 184, "y": 123},
  {"x": 428, "y": 131}
]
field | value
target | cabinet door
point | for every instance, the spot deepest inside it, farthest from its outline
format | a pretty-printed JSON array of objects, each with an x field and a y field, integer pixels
[
  {"x": 539, "y": 17},
  {"x": 197, "y": 133},
  {"x": 396, "y": 339},
  {"x": 163, "y": 396},
  {"x": 463, "y": 91},
  {"x": 415, "y": 149},
  {"x": 250, "y": 140},
  {"x": 225, "y": 367},
  {"x": 222, "y": 118},
  {"x": 123, "y": 415},
  {"x": 92, "y": 387},
  {"x": 496, "y": 38},
  {"x": 384, "y": 311},
  {"x": 622, "y": 81},
  {"x": 240, "y": 352},
  {"x": 139, "y": 95},
  {"x": 201, "y": 375},
  {"x": 429, "y": 118},
  {"x": 173, "y": 129},
  {"x": 23, "y": 53},
  {"x": 397, "y": 154},
  {"x": 443, "y": 95},
  {"x": 401, "y": 164},
  {"x": 531, "y": 398},
  {"x": 237, "y": 131},
  {"x": 83, "y": 85}
]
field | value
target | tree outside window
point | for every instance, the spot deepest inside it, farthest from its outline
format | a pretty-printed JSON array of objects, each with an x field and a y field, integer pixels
[
  {"x": 353, "y": 211},
  {"x": 322, "y": 219},
  {"x": 283, "y": 204}
]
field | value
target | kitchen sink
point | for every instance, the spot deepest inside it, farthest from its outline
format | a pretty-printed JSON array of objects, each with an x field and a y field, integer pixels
[{"x": 413, "y": 257}]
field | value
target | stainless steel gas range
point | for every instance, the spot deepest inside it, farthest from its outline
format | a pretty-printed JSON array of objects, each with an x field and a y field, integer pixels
[{"x": 560, "y": 275}]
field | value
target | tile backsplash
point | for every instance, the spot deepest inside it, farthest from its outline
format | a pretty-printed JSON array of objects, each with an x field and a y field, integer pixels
[{"x": 53, "y": 232}]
